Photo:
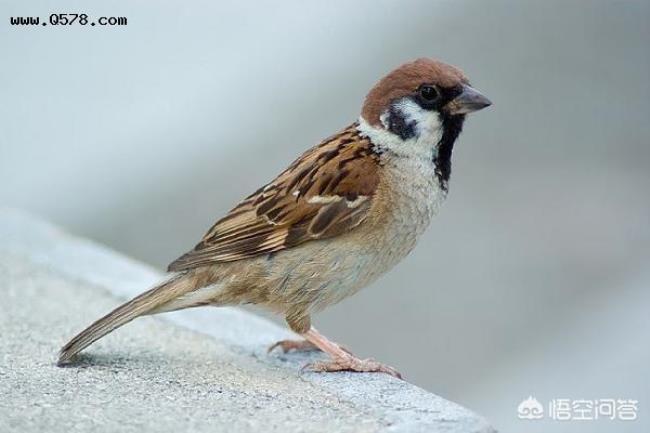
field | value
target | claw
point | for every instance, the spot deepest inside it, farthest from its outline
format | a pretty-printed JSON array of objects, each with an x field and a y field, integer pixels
[{"x": 341, "y": 358}]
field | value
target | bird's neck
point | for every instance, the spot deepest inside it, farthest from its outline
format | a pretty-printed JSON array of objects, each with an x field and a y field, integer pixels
[{"x": 428, "y": 145}]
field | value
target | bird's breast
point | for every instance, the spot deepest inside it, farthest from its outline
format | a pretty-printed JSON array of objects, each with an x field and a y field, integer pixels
[{"x": 411, "y": 198}]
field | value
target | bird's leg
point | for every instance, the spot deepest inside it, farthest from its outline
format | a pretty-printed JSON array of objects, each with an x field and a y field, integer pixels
[
  {"x": 299, "y": 322},
  {"x": 342, "y": 360}
]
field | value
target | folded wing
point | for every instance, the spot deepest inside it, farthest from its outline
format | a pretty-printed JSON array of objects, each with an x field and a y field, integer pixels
[{"x": 324, "y": 193}]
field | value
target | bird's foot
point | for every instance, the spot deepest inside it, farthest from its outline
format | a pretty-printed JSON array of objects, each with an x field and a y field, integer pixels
[
  {"x": 351, "y": 363},
  {"x": 293, "y": 345},
  {"x": 299, "y": 346}
]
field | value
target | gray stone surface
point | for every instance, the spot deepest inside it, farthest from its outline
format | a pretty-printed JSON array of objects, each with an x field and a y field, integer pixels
[{"x": 202, "y": 370}]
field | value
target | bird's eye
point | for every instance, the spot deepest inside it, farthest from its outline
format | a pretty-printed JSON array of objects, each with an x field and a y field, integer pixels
[{"x": 428, "y": 93}]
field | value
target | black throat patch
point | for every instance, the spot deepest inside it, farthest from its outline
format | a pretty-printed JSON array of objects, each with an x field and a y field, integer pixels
[{"x": 451, "y": 128}]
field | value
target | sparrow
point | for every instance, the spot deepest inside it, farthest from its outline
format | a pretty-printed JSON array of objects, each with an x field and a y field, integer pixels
[{"x": 341, "y": 215}]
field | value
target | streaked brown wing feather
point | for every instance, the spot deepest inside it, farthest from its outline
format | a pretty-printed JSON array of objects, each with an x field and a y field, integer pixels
[{"x": 324, "y": 193}]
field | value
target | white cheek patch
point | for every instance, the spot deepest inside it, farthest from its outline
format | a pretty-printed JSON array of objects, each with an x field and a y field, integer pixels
[
  {"x": 428, "y": 131},
  {"x": 427, "y": 123}
]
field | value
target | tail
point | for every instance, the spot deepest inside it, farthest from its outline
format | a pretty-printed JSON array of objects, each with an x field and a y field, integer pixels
[{"x": 151, "y": 301}]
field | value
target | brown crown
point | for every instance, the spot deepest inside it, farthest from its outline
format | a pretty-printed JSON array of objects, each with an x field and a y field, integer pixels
[{"x": 404, "y": 81}]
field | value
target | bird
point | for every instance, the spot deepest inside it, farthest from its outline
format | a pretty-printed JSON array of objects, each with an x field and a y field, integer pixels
[{"x": 342, "y": 214}]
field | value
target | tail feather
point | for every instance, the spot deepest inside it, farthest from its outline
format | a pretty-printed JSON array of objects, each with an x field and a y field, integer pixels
[{"x": 145, "y": 303}]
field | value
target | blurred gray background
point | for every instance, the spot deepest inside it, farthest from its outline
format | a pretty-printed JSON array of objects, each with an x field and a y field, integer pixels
[{"x": 534, "y": 280}]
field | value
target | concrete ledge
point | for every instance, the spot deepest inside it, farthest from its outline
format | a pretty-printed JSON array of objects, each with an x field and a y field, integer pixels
[{"x": 201, "y": 370}]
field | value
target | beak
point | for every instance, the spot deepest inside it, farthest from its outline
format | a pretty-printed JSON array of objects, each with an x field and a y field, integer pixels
[{"x": 468, "y": 101}]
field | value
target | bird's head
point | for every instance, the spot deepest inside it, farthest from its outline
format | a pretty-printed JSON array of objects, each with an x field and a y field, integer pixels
[{"x": 422, "y": 99}]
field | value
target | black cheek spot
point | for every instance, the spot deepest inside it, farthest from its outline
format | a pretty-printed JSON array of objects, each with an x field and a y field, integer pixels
[{"x": 397, "y": 124}]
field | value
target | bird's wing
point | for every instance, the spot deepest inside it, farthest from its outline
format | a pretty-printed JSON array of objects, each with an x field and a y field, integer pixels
[{"x": 326, "y": 192}]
